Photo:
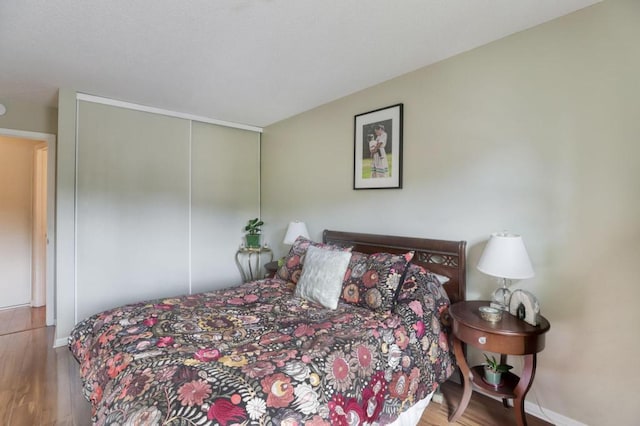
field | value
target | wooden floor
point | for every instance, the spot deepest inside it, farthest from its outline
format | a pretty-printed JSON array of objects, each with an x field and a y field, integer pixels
[
  {"x": 21, "y": 319},
  {"x": 40, "y": 385},
  {"x": 481, "y": 411}
]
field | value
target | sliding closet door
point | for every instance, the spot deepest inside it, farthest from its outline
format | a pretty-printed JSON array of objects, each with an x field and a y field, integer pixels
[
  {"x": 132, "y": 237},
  {"x": 225, "y": 194}
]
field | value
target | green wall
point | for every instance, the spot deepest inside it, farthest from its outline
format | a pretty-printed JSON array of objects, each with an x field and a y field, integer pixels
[
  {"x": 29, "y": 117},
  {"x": 537, "y": 133}
]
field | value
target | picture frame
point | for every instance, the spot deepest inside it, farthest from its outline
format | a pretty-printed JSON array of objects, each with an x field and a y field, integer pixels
[{"x": 377, "y": 149}]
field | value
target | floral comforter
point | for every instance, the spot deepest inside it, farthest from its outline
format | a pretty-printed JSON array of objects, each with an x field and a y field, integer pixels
[{"x": 256, "y": 355}]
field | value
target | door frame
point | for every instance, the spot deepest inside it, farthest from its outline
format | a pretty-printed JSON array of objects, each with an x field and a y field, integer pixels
[
  {"x": 50, "y": 140},
  {"x": 39, "y": 233}
]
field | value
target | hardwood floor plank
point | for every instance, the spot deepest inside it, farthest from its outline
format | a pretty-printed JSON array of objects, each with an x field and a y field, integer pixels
[
  {"x": 21, "y": 319},
  {"x": 11, "y": 358},
  {"x": 482, "y": 410},
  {"x": 28, "y": 379},
  {"x": 35, "y": 383},
  {"x": 5, "y": 319},
  {"x": 80, "y": 408}
]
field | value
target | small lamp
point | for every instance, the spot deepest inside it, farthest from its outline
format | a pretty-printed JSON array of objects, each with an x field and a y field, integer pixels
[
  {"x": 295, "y": 230},
  {"x": 505, "y": 257}
]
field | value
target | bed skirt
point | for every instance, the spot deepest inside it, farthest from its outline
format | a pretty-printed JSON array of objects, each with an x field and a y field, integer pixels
[{"x": 412, "y": 416}]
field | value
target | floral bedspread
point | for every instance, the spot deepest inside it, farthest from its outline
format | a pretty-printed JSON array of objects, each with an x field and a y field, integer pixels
[{"x": 254, "y": 354}]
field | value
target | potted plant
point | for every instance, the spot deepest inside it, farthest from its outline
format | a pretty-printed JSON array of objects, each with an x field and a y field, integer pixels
[
  {"x": 253, "y": 230},
  {"x": 493, "y": 370}
]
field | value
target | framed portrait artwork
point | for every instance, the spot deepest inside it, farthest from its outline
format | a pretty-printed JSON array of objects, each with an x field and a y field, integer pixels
[{"x": 378, "y": 149}]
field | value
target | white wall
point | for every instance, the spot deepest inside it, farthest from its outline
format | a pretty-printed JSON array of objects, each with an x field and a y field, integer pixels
[
  {"x": 536, "y": 133},
  {"x": 16, "y": 219},
  {"x": 65, "y": 215}
]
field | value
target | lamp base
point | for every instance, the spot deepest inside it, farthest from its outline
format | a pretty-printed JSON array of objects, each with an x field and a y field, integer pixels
[
  {"x": 500, "y": 298},
  {"x": 498, "y": 306}
]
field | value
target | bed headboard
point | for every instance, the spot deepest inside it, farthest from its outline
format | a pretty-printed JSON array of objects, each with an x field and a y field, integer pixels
[{"x": 439, "y": 256}]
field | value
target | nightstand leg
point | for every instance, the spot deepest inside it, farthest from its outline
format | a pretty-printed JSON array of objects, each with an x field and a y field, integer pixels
[
  {"x": 505, "y": 401},
  {"x": 466, "y": 377},
  {"x": 528, "y": 373}
]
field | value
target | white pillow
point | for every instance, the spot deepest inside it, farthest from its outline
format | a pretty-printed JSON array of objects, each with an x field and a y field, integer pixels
[
  {"x": 443, "y": 280},
  {"x": 322, "y": 275}
]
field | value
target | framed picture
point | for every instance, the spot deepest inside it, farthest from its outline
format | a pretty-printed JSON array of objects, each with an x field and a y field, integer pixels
[{"x": 378, "y": 149}]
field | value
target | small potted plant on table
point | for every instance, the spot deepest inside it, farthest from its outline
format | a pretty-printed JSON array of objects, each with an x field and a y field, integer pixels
[
  {"x": 493, "y": 370},
  {"x": 253, "y": 230}
]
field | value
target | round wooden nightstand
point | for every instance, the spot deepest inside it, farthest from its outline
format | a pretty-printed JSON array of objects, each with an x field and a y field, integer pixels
[{"x": 509, "y": 336}]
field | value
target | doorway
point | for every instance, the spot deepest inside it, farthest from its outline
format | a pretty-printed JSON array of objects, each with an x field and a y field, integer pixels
[{"x": 27, "y": 276}]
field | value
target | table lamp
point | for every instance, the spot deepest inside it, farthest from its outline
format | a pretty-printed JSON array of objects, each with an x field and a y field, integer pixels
[
  {"x": 296, "y": 229},
  {"x": 505, "y": 257}
]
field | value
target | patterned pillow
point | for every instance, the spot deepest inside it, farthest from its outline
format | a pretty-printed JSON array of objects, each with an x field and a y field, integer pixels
[
  {"x": 293, "y": 263},
  {"x": 371, "y": 281},
  {"x": 419, "y": 277}
]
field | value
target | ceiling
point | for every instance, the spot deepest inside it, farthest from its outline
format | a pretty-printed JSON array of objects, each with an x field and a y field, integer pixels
[{"x": 246, "y": 61}]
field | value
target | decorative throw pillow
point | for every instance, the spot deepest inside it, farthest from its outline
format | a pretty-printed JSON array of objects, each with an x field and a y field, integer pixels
[
  {"x": 371, "y": 281},
  {"x": 293, "y": 263},
  {"x": 419, "y": 277},
  {"x": 322, "y": 274}
]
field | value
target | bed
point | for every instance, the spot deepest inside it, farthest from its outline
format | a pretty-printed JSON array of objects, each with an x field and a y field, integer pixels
[{"x": 261, "y": 354}]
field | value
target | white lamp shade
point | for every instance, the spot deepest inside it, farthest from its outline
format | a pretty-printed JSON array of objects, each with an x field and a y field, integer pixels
[
  {"x": 505, "y": 256},
  {"x": 295, "y": 230}
]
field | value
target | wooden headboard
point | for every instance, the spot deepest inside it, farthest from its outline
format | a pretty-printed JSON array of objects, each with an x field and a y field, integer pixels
[{"x": 439, "y": 256}]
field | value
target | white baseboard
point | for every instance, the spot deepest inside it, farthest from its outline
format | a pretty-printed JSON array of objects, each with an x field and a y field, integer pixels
[
  {"x": 541, "y": 413},
  {"x": 23, "y": 305},
  {"x": 550, "y": 416},
  {"x": 63, "y": 341}
]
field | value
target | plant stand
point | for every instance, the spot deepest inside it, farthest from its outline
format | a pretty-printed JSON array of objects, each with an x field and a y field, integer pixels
[{"x": 250, "y": 261}]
